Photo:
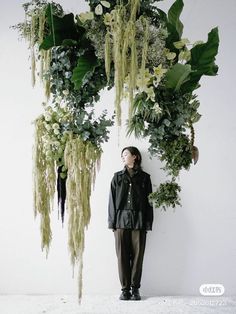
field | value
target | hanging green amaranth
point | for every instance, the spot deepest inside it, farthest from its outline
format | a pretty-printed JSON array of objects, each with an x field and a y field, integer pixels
[
  {"x": 122, "y": 31},
  {"x": 46, "y": 59},
  {"x": 34, "y": 32},
  {"x": 81, "y": 160},
  {"x": 32, "y": 48},
  {"x": 107, "y": 56},
  {"x": 44, "y": 179}
]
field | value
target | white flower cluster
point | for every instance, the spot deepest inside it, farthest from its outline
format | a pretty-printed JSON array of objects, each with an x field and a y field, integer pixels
[
  {"x": 55, "y": 139},
  {"x": 88, "y": 16},
  {"x": 147, "y": 82},
  {"x": 184, "y": 54}
]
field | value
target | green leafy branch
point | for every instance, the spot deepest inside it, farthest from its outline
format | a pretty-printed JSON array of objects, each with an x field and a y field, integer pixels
[{"x": 166, "y": 195}]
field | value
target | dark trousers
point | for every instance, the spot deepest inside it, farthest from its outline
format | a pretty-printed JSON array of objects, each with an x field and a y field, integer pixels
[{"x": 130, "y": 247}]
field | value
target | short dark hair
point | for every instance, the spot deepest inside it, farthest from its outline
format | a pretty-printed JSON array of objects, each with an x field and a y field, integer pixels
[{"x": 134, "y": 151}]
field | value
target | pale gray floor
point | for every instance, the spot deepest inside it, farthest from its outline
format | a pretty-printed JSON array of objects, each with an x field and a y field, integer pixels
[{"x": 68, "y": 304}]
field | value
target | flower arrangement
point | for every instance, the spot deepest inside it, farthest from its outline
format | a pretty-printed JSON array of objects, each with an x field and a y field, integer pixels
[{"x": 135, "y": 47}]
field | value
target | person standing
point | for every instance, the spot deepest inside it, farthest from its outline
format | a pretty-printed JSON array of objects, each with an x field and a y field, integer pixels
[{"x": 130, "y": 216}]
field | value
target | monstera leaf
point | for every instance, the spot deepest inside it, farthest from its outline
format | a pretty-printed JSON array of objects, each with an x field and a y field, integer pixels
[
  {"x": 86, "y": 63},
  {"x": 61, "y": 30},
  {"x": 178, "y": 75}
]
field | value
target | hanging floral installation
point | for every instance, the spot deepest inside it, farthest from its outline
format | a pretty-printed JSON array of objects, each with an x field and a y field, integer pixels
[{"x": 138, "y": 49}]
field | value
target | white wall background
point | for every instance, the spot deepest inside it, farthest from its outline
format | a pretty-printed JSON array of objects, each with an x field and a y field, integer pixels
[{"x": 188, "y": 247}]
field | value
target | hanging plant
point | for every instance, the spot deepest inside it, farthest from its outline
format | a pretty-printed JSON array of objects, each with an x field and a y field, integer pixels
[
  {"x": 33, "y": 30},
  {"x": 167, "y": 195},
  {"x": 44, "y": 182},
  {"x": 81, "y": 160},
  {"x": 128, "y": 43},
  {"x": 139, "y": 49},
  {"x": 166, "y": 107}
]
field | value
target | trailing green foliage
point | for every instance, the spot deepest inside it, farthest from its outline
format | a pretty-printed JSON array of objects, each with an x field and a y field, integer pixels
[
  {"x": 167, "y": 195},
  {"x": 177, "y": 154},
  {"x": 166, "y": 126}
]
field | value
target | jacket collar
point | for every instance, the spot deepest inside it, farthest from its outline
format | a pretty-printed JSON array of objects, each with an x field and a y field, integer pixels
[{"x": 126, "y": 171}]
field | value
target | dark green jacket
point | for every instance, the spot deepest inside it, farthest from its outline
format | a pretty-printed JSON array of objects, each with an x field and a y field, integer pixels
[{"x": 128, "y": 201}]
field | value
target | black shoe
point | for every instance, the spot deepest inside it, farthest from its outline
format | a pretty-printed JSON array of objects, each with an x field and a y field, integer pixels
[
  {"x": 135, "y": 295},
  {"x": 125, "y": 295}
]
